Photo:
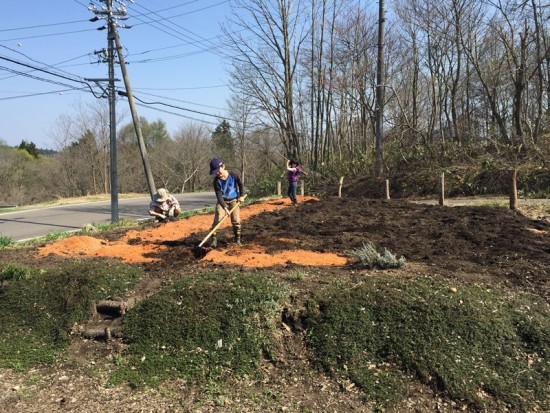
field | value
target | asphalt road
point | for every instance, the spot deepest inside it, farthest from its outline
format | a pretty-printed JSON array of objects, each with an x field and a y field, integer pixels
[{"x": 32, "y": 223}]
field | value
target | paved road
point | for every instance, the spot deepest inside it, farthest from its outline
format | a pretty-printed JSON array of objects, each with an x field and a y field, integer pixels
[{"x": 24, "y": 225}]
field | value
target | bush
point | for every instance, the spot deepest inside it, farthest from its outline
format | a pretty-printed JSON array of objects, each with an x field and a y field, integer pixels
[
  {"x": 15, "y": 272},
  {"x": 201, "y": 328},
  {"x": 5, "y": 241},
  {"x": 368, "y": 257}
]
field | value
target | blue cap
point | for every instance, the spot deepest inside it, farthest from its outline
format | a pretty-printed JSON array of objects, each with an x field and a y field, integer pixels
[{"x": 215, "y": 166}]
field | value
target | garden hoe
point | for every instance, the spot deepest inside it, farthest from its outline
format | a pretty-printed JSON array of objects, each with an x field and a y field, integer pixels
[{"x": 199, "y": 251}]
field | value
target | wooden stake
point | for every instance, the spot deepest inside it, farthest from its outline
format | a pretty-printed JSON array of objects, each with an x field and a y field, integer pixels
[
  {"x": 513, "y": 189},
  {"x": 278, "y": 188},
  {"x": 340, "y": 187},
  {"x": 302, "y": 190},
  {"x": 387, "y": 189},
  {"x": 442, "y": 189}
]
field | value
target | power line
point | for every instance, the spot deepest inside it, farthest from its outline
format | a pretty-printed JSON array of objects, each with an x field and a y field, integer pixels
[
  {"x": 41, "y": 25},
  {"x": 173, "y": 106},
  {"x": 47, "y": 72},
  {"x": 46, "y": 35},
  {"x": 179, "y": 100},
  {"x": 176, "y": 114},
  {"x": 58, "y": 92}
]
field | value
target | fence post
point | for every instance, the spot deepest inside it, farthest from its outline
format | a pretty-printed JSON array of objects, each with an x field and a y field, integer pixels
[
  {"x": 442, "y": 189},
  {"x": 278, "y": 188},
  {"x": 387, "y": 189},
  {"x": 340, "y": 187},
  {"x": 513, "y": 189}
]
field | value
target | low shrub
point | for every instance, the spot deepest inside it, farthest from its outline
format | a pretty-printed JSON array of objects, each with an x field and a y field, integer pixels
[
  {"x": 201, "y": 328},
  {"x": 38, "y": 307},
  {"x": 368, "y": 257},
  {"x": 5, "y": 241},
  {"x": 474, "y": 345}
]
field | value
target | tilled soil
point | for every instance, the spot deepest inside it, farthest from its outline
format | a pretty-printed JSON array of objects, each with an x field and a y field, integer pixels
[{"x": 468, "y": 243}]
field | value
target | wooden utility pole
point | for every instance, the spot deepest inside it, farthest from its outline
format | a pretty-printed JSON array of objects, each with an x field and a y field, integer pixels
[{"x": 135, "y": 118}]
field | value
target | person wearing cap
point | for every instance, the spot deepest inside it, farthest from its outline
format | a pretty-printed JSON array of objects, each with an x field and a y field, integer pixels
[
  {"x": 293, "y": 169},
  {"x": 229, "y": 191},
  {"x": 164, "y": 206}
]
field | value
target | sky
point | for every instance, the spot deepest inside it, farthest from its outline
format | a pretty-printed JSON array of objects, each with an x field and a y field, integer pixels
[{"x": 170, "y": 52}]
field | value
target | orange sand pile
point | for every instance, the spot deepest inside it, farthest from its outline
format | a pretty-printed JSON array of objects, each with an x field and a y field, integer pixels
[
  {"x": 136, "y": 245},
  {"x": 256, "y": 257}
]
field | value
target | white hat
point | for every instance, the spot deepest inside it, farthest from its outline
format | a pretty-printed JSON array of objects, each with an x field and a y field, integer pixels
[{"x": 161, "y": 195}]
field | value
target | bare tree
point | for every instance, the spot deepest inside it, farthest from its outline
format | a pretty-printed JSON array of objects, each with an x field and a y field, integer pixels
[{"x": 265, "y": 38}]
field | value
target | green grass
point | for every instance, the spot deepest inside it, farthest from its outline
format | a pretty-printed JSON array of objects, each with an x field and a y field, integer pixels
[
  {"x": 494, "y": 204},
  {"x": 38, "y": 307},
  {"x": 476, "y": 341},
  {"x": 5, "y": 241},
  {"x": 201, "y": 328},
  {"x": 14, "y": 271},
  {"x": 121, "y": 223}
]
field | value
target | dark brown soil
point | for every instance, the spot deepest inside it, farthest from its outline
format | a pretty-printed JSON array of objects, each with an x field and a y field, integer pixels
[{"x": 473, "y": 244}]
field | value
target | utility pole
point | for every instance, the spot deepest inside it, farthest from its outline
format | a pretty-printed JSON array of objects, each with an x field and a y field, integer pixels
[
  {"x": 380, "y": 89},
  {"x": 109, "y": 14},
  {"x": 142, "y": 147}
]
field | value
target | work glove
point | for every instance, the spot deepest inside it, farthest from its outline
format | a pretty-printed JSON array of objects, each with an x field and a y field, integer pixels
[{"x": 171, "y": 212}]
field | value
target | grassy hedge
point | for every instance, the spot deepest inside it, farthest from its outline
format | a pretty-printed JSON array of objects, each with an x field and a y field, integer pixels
[
  {"x": 38, "y": 306},
  {"x": 471, "y": 344}
]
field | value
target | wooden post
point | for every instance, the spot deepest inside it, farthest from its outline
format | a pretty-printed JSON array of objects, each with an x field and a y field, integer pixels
[
  {"x": 513, "y": 189},
  {"x": 442, "y": 189},
  {"x": 387, "y": 189},
  {"x": 340, "y": 187},
  {"x": 279, "y": 188},
  {"x": 302, "y": 190}
]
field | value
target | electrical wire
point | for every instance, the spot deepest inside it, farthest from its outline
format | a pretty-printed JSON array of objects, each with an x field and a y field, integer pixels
[
  {"x": 47, "y": 72},
  {"x": 57, "y": 92},
  {"x": 179, "y": 100}
]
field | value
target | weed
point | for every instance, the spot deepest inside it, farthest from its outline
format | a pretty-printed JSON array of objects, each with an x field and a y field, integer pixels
[
  {"x": 15, "y": 271},
  {"x": 461, "y": 343},
  {"x": 121, "y": 223},
  {"x": 5, "y": 241},
  {"x": 201, "y": 328},
  {"x": 56, "y": 235},
  {"x": 493, "y": 204},
  {"x": 296, "y": 275},
  {"x": 368, "y": 257}
]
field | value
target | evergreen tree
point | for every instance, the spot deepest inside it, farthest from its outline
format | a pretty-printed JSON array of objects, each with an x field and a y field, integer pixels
[
  {"x": 224, "y": 146},
  {"x": 30, "y": 147}
]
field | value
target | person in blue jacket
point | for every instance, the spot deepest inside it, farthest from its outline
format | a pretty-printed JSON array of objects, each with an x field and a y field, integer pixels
[{"x": 229, "y": 191}]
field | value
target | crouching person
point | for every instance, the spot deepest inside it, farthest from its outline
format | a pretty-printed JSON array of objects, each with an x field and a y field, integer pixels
[{"x": 164, "y": 206}]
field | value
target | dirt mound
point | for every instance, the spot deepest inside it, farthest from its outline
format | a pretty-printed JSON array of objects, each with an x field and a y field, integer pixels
[
  {"x": 150, "y": 245},
  {"x": 466, "y": 241}
]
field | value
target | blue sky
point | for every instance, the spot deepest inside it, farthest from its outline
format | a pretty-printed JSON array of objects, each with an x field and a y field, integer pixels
[{"x": 170, "y": 53}]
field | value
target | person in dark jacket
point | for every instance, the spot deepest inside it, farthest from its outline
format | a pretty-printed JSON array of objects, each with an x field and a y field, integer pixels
[{"x": 229, "y": 191}]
